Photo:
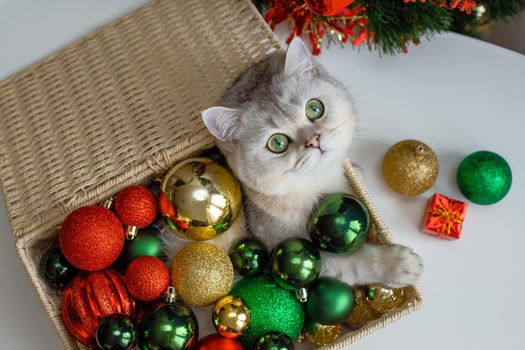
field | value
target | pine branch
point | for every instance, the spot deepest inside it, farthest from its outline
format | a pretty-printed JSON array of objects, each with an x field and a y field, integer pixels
[{"x": 393, "y": 24}]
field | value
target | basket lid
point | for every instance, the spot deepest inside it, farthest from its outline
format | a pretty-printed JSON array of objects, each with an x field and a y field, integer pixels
[{"x": 119, "y": 105}]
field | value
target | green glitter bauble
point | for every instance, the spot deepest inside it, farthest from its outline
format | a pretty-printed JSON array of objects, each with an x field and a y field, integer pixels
[
  {"x": 272, "y": 308},
  {"x": 340, "y": 224},
  {"x": 330, "y": 301},
  {"x": 484, "y": 177},
  {"x": 249, "y": 257},
  {"x": 295, "y": 263}
]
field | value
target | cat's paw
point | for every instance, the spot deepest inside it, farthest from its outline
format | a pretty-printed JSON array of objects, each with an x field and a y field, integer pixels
[{"x": 403, "y": 266}]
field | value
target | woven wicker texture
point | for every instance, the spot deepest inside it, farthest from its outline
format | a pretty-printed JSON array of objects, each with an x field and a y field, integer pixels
[{"x": 120, "y": 107}]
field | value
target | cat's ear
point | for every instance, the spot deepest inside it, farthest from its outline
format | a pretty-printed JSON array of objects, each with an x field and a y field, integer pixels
[
  {"x": 298, "y": 58},
  {"x": 221, "y": 122}
]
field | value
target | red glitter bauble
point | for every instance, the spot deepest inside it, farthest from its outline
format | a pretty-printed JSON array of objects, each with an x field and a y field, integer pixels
[
  {"x": 89, "y": 298},
  {"x": 147, "y": 278},
  {"x": 136, "y": 206},
  {"x": 217, "y": 342},
  {"x": 91, "y": 238}
]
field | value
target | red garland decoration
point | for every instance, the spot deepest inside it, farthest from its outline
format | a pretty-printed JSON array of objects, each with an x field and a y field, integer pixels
[
  {"x": 444, "y": 217},
  {"x": 348, "y": 24}
]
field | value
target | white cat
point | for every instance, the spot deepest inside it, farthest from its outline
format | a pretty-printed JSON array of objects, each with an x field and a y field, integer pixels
[{"x": 285, "y": 127}]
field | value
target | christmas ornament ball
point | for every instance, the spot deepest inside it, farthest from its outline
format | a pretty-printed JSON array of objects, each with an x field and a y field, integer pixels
[
  {"x": 339, "y": 224},
  {"x": 202, "y": 273},
  {"x": 217, "y": 342},
  {"x": 170, "y": 326},
  {"x": 147, "y": 278},
  {"x": 330, "y": 301},
  {"x": 199, "y": 199},
  {"x": 320, "y": 334},
  {"x": 410, "y": 167},
  {"x": 55, "y": 269},
  {"x": 147, "y": 243},
  {"x": 385, "y": 299},
  {"x": 92, "y": 296},
  {"x": 91, "y": 238},
  {"x": 272, "y": 308},
  {"x": 249, "y": 257},
  {"x": 116, "y": 332},
  {"x": 295, "y": 263},
  {"x": 484, "y": 177},
  {"x": 363, "y": 312},
  {"x": 231, "y": 317},
  {"x": 136, "y": 206},
  {"x": 274, "y": 341}
]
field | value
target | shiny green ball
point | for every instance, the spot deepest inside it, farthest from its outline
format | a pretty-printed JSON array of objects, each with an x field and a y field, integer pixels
[
  {"x": 147, "y": 243},
  {"x": 249, "y": 257},
  {"x": 55, "y": 269},
  {"x": 339, "y": 224},
  {"x": 169, "y": 327},
  {"x": 330, "y": 301},
  {"x": 272, "y": 308},
  {"x": 484, "y": 177},
  {"x": 274, "y": 341},
  {"x": 295, "y": 263},
  {"x": 116, "y": 332}
]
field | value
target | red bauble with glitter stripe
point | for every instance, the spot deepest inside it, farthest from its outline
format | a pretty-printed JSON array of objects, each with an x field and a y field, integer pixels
[
  {"x": 89, "y": 298},
  {"x": 91, "y": 238},
  {"x": 136, "y": 206}
]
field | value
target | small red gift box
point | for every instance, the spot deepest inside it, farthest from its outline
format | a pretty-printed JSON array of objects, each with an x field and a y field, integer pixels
[{"x": 444, "y": 217}]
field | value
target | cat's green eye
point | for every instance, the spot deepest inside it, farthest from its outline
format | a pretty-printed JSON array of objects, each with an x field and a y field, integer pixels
[
  {"x": 314, "y": 109},
  {"x": 278, "y": 143}
]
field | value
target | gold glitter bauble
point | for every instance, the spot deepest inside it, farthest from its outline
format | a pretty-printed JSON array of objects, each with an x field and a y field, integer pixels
[
  {"x": 363, "y": 311},
  {"x": 204, "y": 196},
  {"x": 410, "y": 167},
  {"x": 202, "y": 273},
  {"x": 231, "y": 317},
  {"x": 384, "y": 299},
  {"x": 321, "y": 334}
]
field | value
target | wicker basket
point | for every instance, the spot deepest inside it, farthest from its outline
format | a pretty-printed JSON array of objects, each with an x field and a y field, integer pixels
[{"x": 120, "y": 107}]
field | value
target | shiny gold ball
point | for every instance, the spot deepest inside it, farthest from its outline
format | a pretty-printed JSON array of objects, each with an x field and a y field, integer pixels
[
  {"x": 363, "y": 311},
  {"x": 410, "y": 167},
  {"x": 204, "y": 196},
  {"x": 231, "y": 317},
  {"x": 202, "y": 273},
  {"x": 321, "y": 334},
  {"x": 384, "y": 299}
]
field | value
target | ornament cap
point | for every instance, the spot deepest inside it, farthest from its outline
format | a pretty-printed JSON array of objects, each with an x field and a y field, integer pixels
[
  {"x": 171, "y": 295},
  {"x": 107, "y": 203},
  {"x": 302, "y": 295},
  {"x": 131, "y": 232}
]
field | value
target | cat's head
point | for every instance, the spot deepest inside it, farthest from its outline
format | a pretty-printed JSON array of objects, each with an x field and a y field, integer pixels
[{"x": 290, "y": 133}]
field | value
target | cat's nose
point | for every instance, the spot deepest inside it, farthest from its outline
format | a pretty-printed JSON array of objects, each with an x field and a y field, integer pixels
[{"x": 314, "y": 141}]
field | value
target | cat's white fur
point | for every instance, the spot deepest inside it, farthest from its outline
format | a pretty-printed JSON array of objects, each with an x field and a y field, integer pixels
[{"x": 281, "y": 190}]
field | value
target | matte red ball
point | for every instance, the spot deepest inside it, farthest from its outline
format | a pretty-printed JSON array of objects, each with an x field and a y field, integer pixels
[
  {"x": 147, "y": 278},
  {"x": 92, "y": 296},
  {"x": 91, "y": 238},
  {"x": 217, "y": 342},
  {"x": 136, "y": 206}
]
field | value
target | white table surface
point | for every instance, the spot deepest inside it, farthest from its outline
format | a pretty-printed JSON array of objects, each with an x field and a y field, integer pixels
[{"x": 456, "y": 94}]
